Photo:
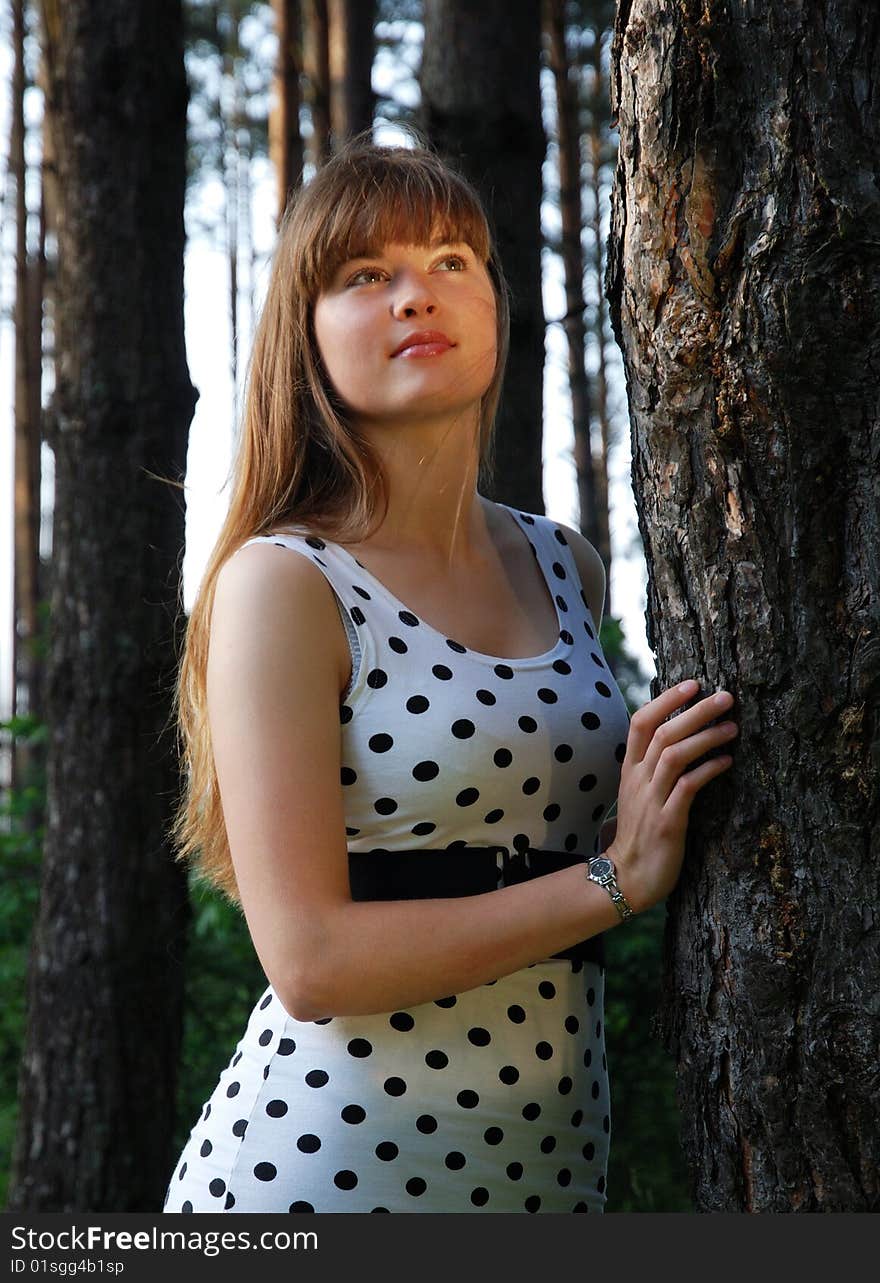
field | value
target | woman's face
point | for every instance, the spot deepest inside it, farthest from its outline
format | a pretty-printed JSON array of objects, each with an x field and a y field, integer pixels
[{"x": 374, "y": 304}]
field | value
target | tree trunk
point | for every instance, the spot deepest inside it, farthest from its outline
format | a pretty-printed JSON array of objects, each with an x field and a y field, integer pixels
[
  {"x": 26, "y": 668},
  {"x": 105, "y": 990},
  {"x": 285, "y": 139},
  {"x": 352, "y": 47},
  {"x": 571, "y": 214},
  {"x": 598, "y": 156},
  {"x": 481, "y": 108},
  {"x": 745, "y": 291},
  {"x": 316, "y": 63}
]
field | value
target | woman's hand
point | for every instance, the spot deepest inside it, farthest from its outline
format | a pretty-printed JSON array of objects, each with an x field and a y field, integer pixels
[{"x": 656, "y": 791}]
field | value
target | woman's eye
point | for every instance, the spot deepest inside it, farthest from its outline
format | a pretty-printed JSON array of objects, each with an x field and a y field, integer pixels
[
  {"x": 454, "y": 258},
  {"x": 365, "y": 271}
]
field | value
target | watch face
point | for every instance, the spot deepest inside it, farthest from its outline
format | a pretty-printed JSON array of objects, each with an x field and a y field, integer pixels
[{"x": 600, "y": 867}]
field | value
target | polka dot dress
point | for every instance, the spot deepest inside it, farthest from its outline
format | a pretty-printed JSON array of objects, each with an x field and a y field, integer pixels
[{"x": 491, "y": 1100}]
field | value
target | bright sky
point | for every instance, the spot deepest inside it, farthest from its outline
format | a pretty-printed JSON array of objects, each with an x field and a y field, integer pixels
[{"x": 210, "y": 440}]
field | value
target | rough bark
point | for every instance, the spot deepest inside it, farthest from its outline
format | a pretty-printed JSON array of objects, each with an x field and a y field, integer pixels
[
  {"x": 105, "y": 989},
  {"x": 352, "y": 47},
  {"x": 745, "y": 289},
  {"x": 568, "y": 137},
  {"x": 481, "y": 108}
]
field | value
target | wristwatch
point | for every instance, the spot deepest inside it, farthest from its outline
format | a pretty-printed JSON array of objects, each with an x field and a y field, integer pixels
[{"x": 601, "y": 871}]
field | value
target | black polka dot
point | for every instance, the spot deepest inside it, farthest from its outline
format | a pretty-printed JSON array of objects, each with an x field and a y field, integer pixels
[
  {"x": 387, "y": 1150},
  {"x": 508, "y": 1074},
  {"x": 394, "y": 1086},
  {"x": 514, "y": 1171},
  {"x": 230, "y": 1202},
  {"x": 308, "y": 1143},
  {"x": 417, "y": 704},
  {"x": 455, "y": 1160},
  {"x": 353, "y": 1114},
  {"x": 516, "y": 1014},
  {"x": 479, "y": 1037},
  {"x": 480, "y": 1196},
  {"x": 401, "y": 1021},
  {"x": 345, "y": 1179},
  {"x": 360, "y": 1047},
  {"x": 380, "y": 743},
  {"x": 376, "y": 678},
  {"x": 532, "y": 1203},
  {"x": 265, "y": 1171},
  {"x": 436, "y": 1059},
  {"x": 468, "y": 1099},
  {"x": 276, "y": 1108},
  {"x": 426, "y": 1123},
  {"x": 317, "y": 1077},
  {"x": 206, "y": 1148},
  {"x": 543, "y": 1050},
  {"x": 416, "y": 1186},
  {"x": 547, "y": 989},
  {"x": 424, "y": 771},
  {"x": 286, "y": 1047},
  {"x": 187, "y": 1206},
  {"x": 233, "y": 1089},
  {"x": 531, "y": 1111},
  {"x": 300, "y": 1206},
  {"x": 493, "y": 1135},
  {"x": 462, "y": 729},
  {"x": 239, "y": 1127}
]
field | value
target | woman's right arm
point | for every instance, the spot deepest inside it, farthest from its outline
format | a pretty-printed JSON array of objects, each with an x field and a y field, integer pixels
[{"x": 274, "y": 678}]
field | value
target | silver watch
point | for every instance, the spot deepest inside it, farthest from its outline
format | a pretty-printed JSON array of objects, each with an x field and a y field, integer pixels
[{"x": 601, "y": 871}]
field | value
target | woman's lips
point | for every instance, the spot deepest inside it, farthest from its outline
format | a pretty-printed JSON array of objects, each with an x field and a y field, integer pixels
[
  {"x": 425, "y": 349},
  {"x": 424, "y": 343}
]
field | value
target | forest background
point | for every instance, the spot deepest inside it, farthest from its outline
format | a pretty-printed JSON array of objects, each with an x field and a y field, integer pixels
[{"x": 731, "y": 253}]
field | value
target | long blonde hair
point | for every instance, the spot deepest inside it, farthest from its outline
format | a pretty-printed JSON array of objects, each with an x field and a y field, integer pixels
[{"x": 298, "y": 462}]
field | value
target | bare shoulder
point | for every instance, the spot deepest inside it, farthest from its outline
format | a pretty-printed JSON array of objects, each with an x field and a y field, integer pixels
[
  {"x": 270, "y": 598},
  {"x": 591, "y": 569}
]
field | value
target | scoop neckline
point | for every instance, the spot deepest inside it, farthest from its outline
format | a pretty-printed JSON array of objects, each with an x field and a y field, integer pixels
[{"x": 544, "y": 658}]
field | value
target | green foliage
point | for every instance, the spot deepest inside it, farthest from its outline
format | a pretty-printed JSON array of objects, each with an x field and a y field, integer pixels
[
  {"x": 646, "y": 1170},
  {"x": 223, "y": 981},
  {"x": 21, "y": 846}
]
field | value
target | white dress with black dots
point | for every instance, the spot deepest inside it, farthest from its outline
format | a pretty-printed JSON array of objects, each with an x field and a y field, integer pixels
[{"x": 491, "y": 1100}]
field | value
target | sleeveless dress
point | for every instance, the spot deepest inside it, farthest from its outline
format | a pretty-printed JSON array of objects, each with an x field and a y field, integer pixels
[{"x": 491, "y": 1100}]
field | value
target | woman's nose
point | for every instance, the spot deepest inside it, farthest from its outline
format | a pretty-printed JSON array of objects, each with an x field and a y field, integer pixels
[{"x": 413, "y": 294}]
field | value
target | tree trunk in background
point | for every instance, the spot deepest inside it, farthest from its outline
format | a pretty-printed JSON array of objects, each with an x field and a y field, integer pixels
[
  {"x": 98, "y": 1074},
  {"x": 26, "y": 665},
  {"x": 285, "y": 139},
  {"x": 316, "y": 64},
  {"x": 599, "y": 153},
  {"x": 745, "y": 290},
  {"x": 571, "y": 212},
  {"x": 352, "y": 47},
  {"x": 481, "y": 108}
]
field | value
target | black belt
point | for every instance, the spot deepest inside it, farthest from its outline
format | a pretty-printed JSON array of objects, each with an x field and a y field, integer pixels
[{"x": 446, "y": 872}]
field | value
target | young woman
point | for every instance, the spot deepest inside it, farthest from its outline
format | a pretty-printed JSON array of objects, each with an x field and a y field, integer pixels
[{"x": 402, "y": 739}]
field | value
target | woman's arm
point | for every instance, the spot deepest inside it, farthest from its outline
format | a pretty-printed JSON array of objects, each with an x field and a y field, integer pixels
[{"x": 274, "y": 677}]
